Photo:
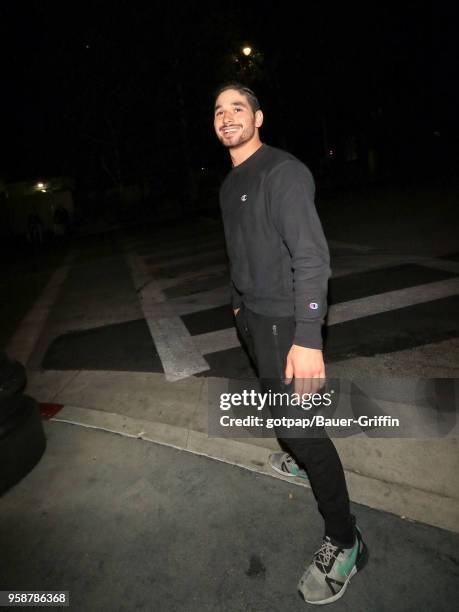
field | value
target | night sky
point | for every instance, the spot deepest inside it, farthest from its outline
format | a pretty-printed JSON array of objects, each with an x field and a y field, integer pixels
[{"x": 113, "y": 91}]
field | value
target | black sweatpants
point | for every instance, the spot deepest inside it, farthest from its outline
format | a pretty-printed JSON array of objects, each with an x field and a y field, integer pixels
[{"x": 268, "y": 341}]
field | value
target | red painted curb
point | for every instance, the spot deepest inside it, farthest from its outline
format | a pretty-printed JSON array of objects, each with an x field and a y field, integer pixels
[{"x": 48, "y": 411}]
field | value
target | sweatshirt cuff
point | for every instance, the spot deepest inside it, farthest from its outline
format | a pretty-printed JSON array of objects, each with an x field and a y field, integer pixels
[
  {"x": 236, "y": 298},
  {"x": 308, "y": 334}
]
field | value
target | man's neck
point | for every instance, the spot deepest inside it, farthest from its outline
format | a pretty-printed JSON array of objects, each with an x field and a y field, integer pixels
[{"x": 240, "y": 154}]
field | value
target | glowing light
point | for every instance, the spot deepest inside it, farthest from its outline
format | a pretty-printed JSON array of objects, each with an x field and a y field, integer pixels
[
  {"x": 43, "y": 190},
  {"x": 247, "y": 50},
  {"x": 331, "y": 152},
  {"x": 40, "y": 186}
]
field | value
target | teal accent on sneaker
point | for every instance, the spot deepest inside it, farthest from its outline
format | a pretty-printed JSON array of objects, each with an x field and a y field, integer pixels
[
  {"x": 345, "y": 567},
  {"x": 284, "y": 464}
]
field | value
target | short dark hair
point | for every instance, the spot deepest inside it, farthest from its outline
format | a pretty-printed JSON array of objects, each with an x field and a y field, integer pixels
[{"x": 242, "y": 89}]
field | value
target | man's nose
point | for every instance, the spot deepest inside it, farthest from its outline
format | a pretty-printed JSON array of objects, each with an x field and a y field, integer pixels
[{"x": 227, "y": 117}]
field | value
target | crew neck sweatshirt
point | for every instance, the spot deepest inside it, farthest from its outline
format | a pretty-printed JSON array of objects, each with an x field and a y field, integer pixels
[{"x": 279, "y": 259}]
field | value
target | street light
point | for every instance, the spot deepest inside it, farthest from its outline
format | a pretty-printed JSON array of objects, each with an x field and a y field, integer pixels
[{"x": 247, "y": 51}]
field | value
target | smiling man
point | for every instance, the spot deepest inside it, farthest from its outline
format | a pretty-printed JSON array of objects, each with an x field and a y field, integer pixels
[{"x": 279, "y": 270}]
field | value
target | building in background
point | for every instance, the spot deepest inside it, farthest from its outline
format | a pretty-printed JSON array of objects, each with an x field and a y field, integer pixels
[{"x": 48, "y": 202}]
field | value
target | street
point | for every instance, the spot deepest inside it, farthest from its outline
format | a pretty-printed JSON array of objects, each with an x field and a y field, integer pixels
[
  {"x": 123, "y": 340},
  {"x": 152, "y": 301},
  {"x": 123, "y": 524}
]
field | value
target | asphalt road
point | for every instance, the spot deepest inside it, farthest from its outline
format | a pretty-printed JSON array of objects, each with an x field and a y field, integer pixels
[
  {"x": 124, "y": 524},
  {"x": 138, "y": 301}
]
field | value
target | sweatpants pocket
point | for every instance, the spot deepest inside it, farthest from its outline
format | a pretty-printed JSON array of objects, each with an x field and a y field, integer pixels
[
  {"x": 241, "y": 321},
  {"x": 277, "y": 351}
]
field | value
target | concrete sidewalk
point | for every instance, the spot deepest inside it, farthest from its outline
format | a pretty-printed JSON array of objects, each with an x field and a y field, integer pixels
[
  {"x": 124, "y": 524},
  {"x": 411, "y": 478}
]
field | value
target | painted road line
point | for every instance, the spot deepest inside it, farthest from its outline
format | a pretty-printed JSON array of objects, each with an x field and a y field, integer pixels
[
  {"x": 361, "y": 248},
  {"x": 205, "y": 257},
  {"x": 392, "y": 300},
  {"x": 163, "y": 244},
  {"x": 144, "y": 284},
  {"x": 168, "y": 283},
  {"x": 156, "y": 257},
  {"x": 24, "y": 340},
  {"x": 441, "y": 264},
  {"x": 179, "y": 355},
  {"x": 188, "y": 304},
  {"x": 220, "y": 340},
  {"x": 224, "y": 339},
  {"x": 345, "y": 265},
  {"x": 152, "y": 291}
]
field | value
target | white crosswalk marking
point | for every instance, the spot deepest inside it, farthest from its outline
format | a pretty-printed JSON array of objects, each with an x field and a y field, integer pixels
[
  {"x": 144, "y": 283},
  {"x": 347, "y": 311},
  {"x": 442, "y": 264},
  {"x": 206, "y": 258},
  {"x": 208, "y": 271},
  {"x": 392, "y": 300},
  {"x": 179, "y": 355},
  {"x": 189, "y": 303},
  {"x": 359, "y": 248},
  {"x": 25, "y": 338},
  {"x": 219, "y": 340},
  {"x": 182, "y": 354}
]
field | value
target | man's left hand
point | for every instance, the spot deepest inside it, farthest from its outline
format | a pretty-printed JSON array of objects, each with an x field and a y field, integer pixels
[{"x": 307, "y": 366}]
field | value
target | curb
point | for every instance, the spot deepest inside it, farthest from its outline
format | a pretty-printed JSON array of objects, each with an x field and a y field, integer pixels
[{"x": 404, "y": 501}]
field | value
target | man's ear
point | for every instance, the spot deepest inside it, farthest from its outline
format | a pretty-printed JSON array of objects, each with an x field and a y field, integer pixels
[{"x": 258, "y": 118}]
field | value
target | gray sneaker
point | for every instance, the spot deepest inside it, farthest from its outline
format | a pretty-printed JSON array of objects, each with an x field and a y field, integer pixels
[
  {"x": 331, "y": 569},
  {"x": 286, "y": 465}
]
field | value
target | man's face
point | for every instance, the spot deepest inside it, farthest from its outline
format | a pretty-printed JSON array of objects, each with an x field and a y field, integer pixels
[{"x": 234, "y": 121}]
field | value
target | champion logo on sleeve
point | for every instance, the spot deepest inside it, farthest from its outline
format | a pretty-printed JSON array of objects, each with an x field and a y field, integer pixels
[{"x": 313, "y": 305}]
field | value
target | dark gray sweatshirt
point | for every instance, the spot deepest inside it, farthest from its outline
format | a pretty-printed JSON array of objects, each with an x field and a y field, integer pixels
[{"x": 278, "y": 254}]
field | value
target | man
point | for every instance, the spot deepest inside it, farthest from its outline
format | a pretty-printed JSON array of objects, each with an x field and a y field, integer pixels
[{"x": 279, "y": 270}]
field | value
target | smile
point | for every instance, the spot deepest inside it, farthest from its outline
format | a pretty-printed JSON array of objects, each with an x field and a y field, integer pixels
[{"x": 229, "y": 130}]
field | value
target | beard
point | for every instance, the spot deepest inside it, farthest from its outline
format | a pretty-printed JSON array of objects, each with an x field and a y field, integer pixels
[{"x": 233, "y": 142}]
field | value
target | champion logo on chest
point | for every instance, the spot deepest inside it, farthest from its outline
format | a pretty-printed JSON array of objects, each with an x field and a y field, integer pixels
[{"x": 244, "y": 197}]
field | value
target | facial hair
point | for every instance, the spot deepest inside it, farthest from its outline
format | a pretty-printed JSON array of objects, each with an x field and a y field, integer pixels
[{"x": 244, "y": 136}]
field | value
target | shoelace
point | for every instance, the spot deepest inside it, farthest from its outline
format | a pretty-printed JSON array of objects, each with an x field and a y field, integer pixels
[{"x": 325, "y": 554}]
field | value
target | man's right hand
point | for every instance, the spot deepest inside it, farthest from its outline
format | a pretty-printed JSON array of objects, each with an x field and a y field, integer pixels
[{"x": 236, "y": 311}]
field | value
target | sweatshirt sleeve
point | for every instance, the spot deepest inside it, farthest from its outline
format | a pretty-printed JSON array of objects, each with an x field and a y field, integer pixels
[
  {"x": 291, "y": 189},
  {"x": 236, "y": 299}
]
